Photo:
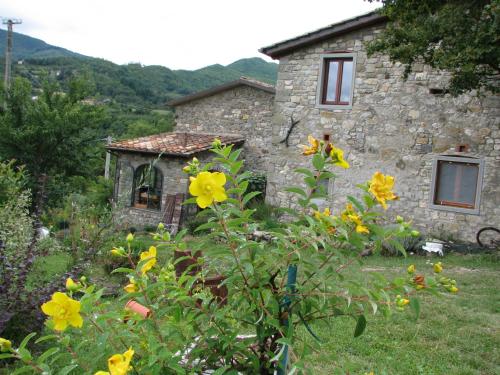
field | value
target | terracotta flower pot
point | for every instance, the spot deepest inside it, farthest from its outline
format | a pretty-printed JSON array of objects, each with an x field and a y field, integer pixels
[{"x": 138, "y": 309}]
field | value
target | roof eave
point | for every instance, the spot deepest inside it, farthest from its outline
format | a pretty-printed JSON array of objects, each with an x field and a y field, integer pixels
[
  {"x": 219, "y": 89},
  {"x": 175, "y": 154},
  {"x": 286, "y": 47}
]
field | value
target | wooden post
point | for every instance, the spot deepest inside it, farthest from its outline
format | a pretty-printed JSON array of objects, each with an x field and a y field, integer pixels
[{"x": 108, "y": 159}]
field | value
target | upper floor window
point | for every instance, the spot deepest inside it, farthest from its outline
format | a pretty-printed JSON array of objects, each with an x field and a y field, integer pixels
[
  {"x": 148, "y": 181},
  {"x": 336, "y": 81},
  {"x": 456, "y": 184}
]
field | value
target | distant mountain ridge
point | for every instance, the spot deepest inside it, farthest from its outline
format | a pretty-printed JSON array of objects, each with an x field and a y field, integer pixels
[
  {"x": 129, "y": 84},
  {"x": 28, "y": 47}
]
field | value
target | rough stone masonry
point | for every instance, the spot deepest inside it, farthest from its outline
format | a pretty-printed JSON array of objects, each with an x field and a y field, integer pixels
[{"x": 395, "y": 126}]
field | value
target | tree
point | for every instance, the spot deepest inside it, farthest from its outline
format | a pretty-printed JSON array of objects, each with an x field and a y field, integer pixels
[
  {"x": 50, "y": 135},
  {"x": 458, "y": 36}
]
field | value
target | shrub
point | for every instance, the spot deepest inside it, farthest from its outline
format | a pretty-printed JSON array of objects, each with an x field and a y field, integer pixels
[{"x": 189, "y": 323}]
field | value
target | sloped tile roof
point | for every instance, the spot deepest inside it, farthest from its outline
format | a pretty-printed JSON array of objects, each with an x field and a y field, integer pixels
[
  {"x": 174, "y": 144},
  {"x": 286, "y": 47},
  {"x": 242, "y": 81}
]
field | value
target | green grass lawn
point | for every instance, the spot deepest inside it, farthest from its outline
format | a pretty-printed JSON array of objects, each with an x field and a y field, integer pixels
[{"x": 456, "y": 334}]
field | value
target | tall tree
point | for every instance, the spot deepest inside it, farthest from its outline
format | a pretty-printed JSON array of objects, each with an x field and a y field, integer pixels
[
  {"x": 459, "y": 36},
  {"x": 50, "y": 134}
]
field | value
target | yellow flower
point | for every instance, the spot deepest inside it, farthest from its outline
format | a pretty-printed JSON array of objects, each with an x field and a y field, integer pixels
[
  {"x": 64, "y": 311},
  {"x": 318, "y": 215},
  {"x": 208, "y": 187},
  {"x": 349, "y": 215},
  {"x": 360, "y": 228},
  {"x": 71, "y": 285},
  {"x": 118, "y": 364},
  {"x": 5, "y": 345},
  {"x": 130, "y": 237},
  {"x": 453, "y": 289},
  {"x": 131, "y": 288},
  {"x": 310, "y": 150},
  {"x": 216, "y": 143},
  {"x": 438, "y": 267},
  {"x": 337, "y": 156},
  {"x": 118, "y": 251},
  {"x": 151, "y": 255},
  {"x": 411, "y": 269},
  {"x": 381, "y": 188}
]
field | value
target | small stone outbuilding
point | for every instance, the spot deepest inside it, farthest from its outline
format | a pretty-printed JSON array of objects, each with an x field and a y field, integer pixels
[{"x": 149, "y": 182}]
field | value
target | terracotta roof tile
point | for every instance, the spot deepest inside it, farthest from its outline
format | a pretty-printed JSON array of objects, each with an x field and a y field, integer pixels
[{"x": 176, "y": 144}]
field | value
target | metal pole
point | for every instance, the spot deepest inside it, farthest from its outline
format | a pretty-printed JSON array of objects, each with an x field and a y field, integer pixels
[{"x": 287, "y": 301}]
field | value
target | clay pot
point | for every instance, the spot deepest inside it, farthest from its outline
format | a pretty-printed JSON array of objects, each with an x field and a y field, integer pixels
[
  {"x": 137, "y": 308},
  {"x": 189, "y": 264}
]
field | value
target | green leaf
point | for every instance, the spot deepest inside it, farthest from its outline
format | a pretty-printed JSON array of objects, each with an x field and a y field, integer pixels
[
  {"x": 356, "y": 203},
  {"x": 24, "y": 354},
  {"x": 305, "y": 172},
  {"x": 249, "y": 196},
  {"x": 318, "y": 162},
  {"x": 296, "y": 190},
  {"x": 415, "y": 306},
  {"x": 23, "y": 370},
  {"x": 26, "y": 340},
  {"x": 209, "y": 225},
  {"x": 47, "y": 354},
  {"x": 45, "y": 338},
  {"x": 360, "y": 326},
  {"x": 6, "y": 355},
  {"x": 123, "y": 270}
]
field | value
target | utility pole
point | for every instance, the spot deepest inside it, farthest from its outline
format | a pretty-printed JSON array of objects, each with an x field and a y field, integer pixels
[{"x": 8, "y": 51}]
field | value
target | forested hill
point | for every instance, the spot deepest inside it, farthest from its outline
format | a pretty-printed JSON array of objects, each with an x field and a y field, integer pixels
[{"x": 130, "y": 84}]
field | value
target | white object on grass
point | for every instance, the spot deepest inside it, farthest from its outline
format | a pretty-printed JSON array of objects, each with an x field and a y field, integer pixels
[{"x": 433, "y": 247}]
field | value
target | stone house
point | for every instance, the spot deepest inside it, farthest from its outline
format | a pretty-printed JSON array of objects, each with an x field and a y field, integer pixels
[
  {"x": 443, "y": 151},
  {"x": 150, "y": 184}
]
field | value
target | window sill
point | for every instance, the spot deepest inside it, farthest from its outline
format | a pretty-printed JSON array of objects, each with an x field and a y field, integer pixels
[
  {"x": 457, "y": 210},
  {"x": 334, "y": 107}
]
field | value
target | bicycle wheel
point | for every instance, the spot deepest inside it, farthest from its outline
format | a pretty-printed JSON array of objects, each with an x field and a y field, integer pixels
[{"x": 488, "y": 237}]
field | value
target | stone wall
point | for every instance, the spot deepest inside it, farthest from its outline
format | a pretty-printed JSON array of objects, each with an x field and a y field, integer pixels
[
  {"x": 242, "y": 110},
  {"x": 174, "y": 181},
  {"x": 395, "y": 126}
]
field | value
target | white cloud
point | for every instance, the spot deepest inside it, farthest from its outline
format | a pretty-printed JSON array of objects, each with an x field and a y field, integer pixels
[{"x": 185, "y": 34}]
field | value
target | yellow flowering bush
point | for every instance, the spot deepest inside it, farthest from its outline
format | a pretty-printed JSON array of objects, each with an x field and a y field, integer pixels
[{"x": 169, "y": 320}]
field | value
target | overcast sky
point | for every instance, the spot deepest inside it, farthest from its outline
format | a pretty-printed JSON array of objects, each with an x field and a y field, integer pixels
[{"x": 187, "y": 34}]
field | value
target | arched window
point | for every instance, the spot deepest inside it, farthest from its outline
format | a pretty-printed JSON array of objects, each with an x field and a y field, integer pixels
[{"x": 148, "y": 182}]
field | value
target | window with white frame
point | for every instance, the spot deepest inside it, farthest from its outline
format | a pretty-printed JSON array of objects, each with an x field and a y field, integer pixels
[
  {"x": 456, "y": 184},
  {"x": 336, "y": 81}
]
